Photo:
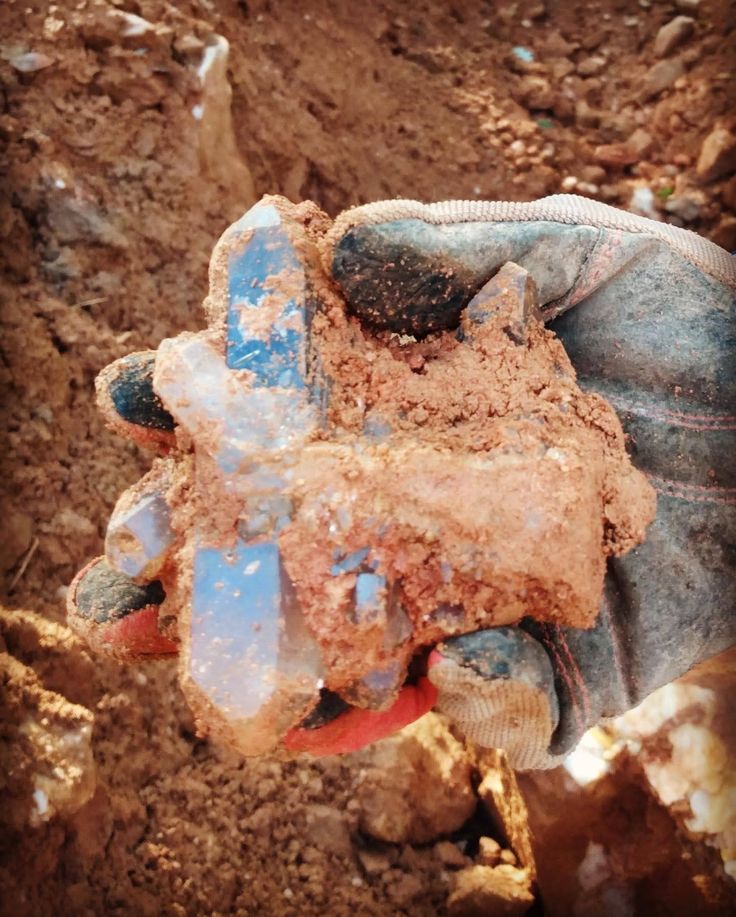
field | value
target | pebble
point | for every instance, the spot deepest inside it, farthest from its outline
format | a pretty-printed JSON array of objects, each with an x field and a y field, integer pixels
[
  {"x": 642, "y": 202},
  {"x": 616, "y": 155},
  {"x": 717, "y": 155},
  {"x": 687, "y": 6},
  {"x": 374, "y": 862},
  {"x": 590, "y": 66},
  {"x": 489, "y": 852},
  {"x": 641, "y": 143},
  {"x": 483, "y": 890},
  {"x": 585, "y": 116},
  {"x": 31, "y": 62},
  {"x": 725, "y": 234},
  {"x": 684, "y": 206},
  {"x": 661, "y": 76},
  {"x": 450, "y": 855},
  {"x": 675, "y": 33}
]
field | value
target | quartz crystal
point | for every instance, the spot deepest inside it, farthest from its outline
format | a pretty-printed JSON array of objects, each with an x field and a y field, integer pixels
[
  {"x": 250, "y": 653},
  {"x": 139, "y": 536}
]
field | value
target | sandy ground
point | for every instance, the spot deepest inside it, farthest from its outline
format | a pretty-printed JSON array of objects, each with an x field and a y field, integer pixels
[{"x": 114, "y": 192}]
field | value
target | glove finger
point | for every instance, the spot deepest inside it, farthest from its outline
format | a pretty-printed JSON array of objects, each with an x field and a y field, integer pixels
[
  {"x": 115, "y": 615},
  {"x": 129, "y": 404},
  {"x": 497, "y": 686},
  {"x": 351, "y": 728},
  {"x": 410, "y": 268}
]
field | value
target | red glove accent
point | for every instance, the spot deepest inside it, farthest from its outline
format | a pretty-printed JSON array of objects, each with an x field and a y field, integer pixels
[
  {"x": 356, "y": 728},
  {"x": 138, "y": 634}
]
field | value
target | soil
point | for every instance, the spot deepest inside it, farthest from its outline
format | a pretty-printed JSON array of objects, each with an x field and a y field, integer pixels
[{"x": 113, "y": 196}]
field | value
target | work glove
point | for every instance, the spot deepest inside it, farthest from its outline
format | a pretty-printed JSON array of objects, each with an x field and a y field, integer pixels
[{"x": 646, "y": 313}]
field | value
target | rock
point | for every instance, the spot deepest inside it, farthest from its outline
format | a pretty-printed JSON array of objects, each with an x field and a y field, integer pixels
[
  {"x": 640, "y": 142},
  {"x": 661, "y": 76},
  {"x": 725, "y": 235},
  {"x": 31, "y": 62},
  {"x": 483, "y": 890},
  {"x": 685, "y": 206},
  {"x": 46, "y": 741},
  {"x": 489, "y": 851},
  {"x": 536, "y": 93},
  {"x": 327, "y": 829},
  {"x": 449, "y": 854},
  {"x": 417, "y": 784},
  {"x": 79, "y": 219},
  {"x": 585, "y": 116},
  {"x": 631, "y": 151},
  {"x": 687, "y": 6},
  {"x": 407, "y": 887},
  {"x": 589, "y": 66},
  {"x": 499, "y": 791},
  {"x": 672, "y": 35},
  {"x": 642, "y": 202},
  {"x": 593, "y": 174},
  {"x": 374, "y": 862},
  {"x": 717, "y": 155}
]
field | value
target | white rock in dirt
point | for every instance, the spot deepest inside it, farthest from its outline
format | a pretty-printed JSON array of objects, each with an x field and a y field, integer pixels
[
  {"x": 717, "y": 155},
  {"x": 218, "y": 150},
  {"x": 687, "y": 6},
  {"x": 416, "y": 785},
  {"x": 685, "y": 739},
  {"x": 675, "y": 33},
  {"x": 31, "y": 62}
]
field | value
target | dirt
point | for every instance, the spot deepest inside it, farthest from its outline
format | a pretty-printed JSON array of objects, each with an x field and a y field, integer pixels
[{"x": 113, "y": 196}]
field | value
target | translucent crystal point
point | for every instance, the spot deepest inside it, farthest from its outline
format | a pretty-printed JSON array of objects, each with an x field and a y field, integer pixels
[
  {"x": 236, "y": 424},
  {"x": 139, "y": 535},
  {"x": 268, "y": 300},
  {"x": 250, "y": 652}
]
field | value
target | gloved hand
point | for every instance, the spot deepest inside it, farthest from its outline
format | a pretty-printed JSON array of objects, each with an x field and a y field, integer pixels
[{"x": 652, "y": 331}]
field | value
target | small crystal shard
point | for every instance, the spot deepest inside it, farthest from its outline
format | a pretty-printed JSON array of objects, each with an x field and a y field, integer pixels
[
  {"x": 139, "y": 536},
  {"x": 250, "y": 653}
]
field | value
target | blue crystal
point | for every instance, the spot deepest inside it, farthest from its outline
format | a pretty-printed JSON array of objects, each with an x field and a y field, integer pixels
[
  {"x": 139, "y": 535},
  {"x": 349, "y": 563},
  {"x": 258, "y": 270},
  {"x": 370, "y": 596},
  {"x": 249, "y": 641}
]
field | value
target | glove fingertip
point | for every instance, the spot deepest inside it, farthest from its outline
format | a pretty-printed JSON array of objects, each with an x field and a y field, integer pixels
[{"x": 129, "y": 404}]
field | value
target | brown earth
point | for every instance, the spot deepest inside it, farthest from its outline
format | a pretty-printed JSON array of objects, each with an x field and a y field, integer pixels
[{"x": 113, "y": 196}]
